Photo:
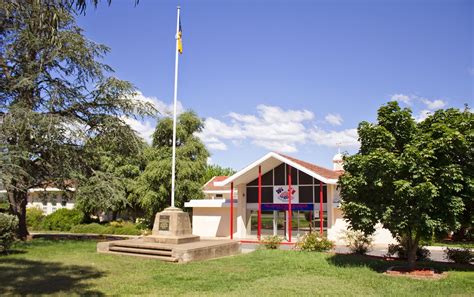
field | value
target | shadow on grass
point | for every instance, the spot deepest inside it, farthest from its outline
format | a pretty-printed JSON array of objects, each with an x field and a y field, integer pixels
[
  {"x": 22, "y": 277},
  {"x": 381, "y": 265}
]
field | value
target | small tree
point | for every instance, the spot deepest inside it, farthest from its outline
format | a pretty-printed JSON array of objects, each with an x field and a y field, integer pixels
[
  {"x": 215, "y": 170},
  {"x": 413, "y": 178}
]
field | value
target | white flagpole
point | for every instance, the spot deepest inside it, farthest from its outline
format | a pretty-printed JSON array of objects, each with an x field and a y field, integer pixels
[{"x": 173, "y": 164}]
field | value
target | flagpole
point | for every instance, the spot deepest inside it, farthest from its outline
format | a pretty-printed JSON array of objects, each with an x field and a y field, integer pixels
[{"x": 173, "y": 162}]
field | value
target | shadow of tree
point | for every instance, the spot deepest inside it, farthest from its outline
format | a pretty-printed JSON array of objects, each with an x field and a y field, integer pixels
[
  {"x": 381, "y": 265},
  {"x": 22, "y": 277}
]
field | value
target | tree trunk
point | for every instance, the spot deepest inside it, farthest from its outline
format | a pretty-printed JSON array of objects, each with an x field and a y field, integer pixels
[
  {"x": 411, "y": 254},
  {"x": 18, "y": 200},
  {"x": 412, "y": 247},
  {"x": 114, "y": 215}
]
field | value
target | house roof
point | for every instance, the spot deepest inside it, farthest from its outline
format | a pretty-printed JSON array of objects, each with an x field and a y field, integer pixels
[
  {"x": 273, "y": 159},
  {"x": 210, "y": 186},
  {"x": 328, "y": 173}
]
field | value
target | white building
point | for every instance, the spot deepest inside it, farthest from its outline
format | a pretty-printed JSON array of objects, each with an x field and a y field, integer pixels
[
  {"x": 260, "y": 203},
  {"x": 49, "y": 199}
]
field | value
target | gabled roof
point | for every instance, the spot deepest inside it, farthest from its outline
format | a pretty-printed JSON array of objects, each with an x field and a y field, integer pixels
[
  {"x": 328, "y": 173},
  {"x": 271, "y": 160},
  {"x": 210, "y": 186}
]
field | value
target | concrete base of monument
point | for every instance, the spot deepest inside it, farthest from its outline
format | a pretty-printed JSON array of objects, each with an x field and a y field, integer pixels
[
  {"x": 172, "y": 241},
  {"x": 180, "y": 253}
]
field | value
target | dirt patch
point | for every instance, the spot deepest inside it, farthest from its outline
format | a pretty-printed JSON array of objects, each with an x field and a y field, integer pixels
[{"x": 417, "y": 273}]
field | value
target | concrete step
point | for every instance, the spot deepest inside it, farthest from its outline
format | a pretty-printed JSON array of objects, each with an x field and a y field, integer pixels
[
  {"x": 143, "y": 246},
  {"x": 162, "y": 258},
  {"x": 166, "y": 253}
]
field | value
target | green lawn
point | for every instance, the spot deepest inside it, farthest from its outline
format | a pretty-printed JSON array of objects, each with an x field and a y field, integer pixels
[
  {"x": 468, "y": 244},
  {"x": 74, "y": 268}
]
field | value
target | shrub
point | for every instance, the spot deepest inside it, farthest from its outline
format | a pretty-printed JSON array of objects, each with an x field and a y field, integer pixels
[
  {"x": 358, "y": 242},
  {"x": 142, "y": 223},
  {"x": 63, "y": 219},
  {"x": 422, "y": 253},
  {"x": 459, "y": 255},
  {"x": 89, "y": 228},
  {"x": 8, "y": 226},
  {"x": 315, "y": 243},
  {"x": 272, "y": 242},
  {"x": 34, "y": 218},
  {"x": 122, "y": 228}
]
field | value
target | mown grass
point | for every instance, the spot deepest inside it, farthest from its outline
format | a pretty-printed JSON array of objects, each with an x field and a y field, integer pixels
[
  {"x": 455, "y": 244},
  {"x": 74, "y": 268}
]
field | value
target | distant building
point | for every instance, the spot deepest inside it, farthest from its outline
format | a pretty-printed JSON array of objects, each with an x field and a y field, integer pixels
[{"x": 49, "y": 198}]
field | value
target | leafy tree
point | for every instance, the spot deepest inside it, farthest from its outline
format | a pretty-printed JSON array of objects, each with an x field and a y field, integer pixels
[
  {"x": 154, "y": 184},
  {"x": 115, "y": 166},
  {"x": 54, "y": 95},
  {"x": 413, "y": 178},
  {"x": 215, "y": 170}
]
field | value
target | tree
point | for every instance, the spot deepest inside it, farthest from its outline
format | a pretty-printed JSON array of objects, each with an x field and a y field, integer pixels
[
  {"x": 115, "y": 166},
  {"x": 154, "y": 184},
  {"x": 55, "y": 96},
  {"x": 413, "y": 178},
  {"x": 215, "y": 170}
]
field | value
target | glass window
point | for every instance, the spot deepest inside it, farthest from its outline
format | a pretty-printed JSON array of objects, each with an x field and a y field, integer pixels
[
  {"x": 305, "y": 194},
  {"x": 280, "y": 178},
  {"x": 252, "y": 195},
  {"x": 305, "y": 179},
  {"x": 316, "y": 194}
]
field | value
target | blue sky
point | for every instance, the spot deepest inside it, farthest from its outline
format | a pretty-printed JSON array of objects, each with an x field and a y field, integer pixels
[{"x": 290, "y": 76}]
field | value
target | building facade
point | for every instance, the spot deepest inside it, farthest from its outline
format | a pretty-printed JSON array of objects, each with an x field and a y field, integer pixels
[{"x": 275, "y": 195}]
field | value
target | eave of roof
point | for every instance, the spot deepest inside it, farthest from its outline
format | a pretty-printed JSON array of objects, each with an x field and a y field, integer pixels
[{"x": 323, "y": 174}]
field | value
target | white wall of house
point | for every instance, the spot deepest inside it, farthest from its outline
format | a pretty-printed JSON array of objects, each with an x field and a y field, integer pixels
[
  {"x": 339, "y": 226},
  {"x": 211, "y": 221},
  {"x": 49, "y": 201}
]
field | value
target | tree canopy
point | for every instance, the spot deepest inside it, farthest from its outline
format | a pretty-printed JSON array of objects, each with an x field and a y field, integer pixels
[
  {"x": 154, "y": 184},
  {"x": 413, "y": 178},
  {"x": 55, "y": 95},
  {"x": 215, "y": 170}
]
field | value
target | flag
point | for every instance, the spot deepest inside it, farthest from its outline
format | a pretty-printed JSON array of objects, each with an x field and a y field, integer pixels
[{"x": 180, "y": 39}]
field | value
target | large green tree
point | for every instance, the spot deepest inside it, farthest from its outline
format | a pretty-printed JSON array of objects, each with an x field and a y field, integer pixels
[
  {"x": 55, "y": 95},
  {"x": 413, "y": 178},
  {"x": 154, "y": 184},
  {"x": 116, "y": 160}
]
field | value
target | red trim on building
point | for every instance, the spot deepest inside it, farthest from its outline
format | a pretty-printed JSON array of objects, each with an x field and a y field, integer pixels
[
  {"x": 262, "y": 242},
  {"x": 259, "y": 232},
  {"x": 231, "y": 210},
  {"x": 321, "y": 219},
  {"x": 289, "y": 204}
]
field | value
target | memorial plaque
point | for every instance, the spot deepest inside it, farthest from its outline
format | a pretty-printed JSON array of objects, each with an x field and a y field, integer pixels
[{"x": 164, "y": 223}]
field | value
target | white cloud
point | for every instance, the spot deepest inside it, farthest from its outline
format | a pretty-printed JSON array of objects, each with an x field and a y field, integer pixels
[
  {"x": 433, "y": 104},
  {"x": 218, "y": 146},
  {"x": 164, "y": 109},
  {"x": 402, "y": 98},
  {"x": 344, "y": 138},
  {"x": 334, "y": 119},
  {"x": 430, "y": 104},
  {"x": 271, "y": 128},
  {"x": 422, "y": 115},
  {"x": 471, "y": 70},
  {"x": 144, "y": 128}
]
